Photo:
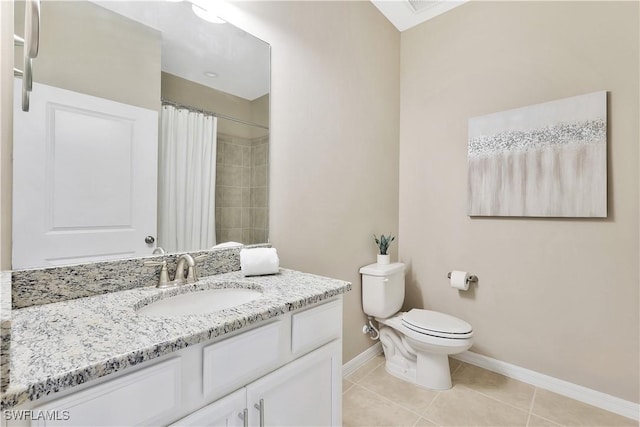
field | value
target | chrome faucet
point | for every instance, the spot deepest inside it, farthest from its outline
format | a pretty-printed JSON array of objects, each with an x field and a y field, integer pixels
[
  {"x": 186, "y": 271},
  {"x": 182, "y": 276}
]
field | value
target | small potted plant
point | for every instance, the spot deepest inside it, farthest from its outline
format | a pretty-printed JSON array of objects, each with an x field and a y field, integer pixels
[{"x": 383, "y": 244}]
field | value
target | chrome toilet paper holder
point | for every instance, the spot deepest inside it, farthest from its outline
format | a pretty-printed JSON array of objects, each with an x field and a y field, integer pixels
[{"x": 471, "y": 279}]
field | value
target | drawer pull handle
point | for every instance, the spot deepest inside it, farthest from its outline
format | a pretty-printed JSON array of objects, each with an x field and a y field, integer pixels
[
  {"x": 244, "y": 416},
  {"x": 260, "y": 407}
]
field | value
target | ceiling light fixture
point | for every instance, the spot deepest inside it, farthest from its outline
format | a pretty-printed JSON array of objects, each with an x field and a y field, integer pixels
[
  {"x": 206, "y": 11},
  {"x": 418, "y": 6},
  {"x": 211, "y": 74}
]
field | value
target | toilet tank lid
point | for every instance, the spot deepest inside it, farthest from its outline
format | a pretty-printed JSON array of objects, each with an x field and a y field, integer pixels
[{"x": 382, "y": 269}]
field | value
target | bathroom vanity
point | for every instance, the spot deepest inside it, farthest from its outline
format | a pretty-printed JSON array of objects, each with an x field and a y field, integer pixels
[{"x": 275, "y": 360}]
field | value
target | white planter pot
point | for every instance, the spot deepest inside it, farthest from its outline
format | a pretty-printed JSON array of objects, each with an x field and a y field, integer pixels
[{"x": 384, "y": 259}]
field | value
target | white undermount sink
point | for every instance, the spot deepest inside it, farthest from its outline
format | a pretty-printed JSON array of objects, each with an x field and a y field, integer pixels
[{"x": 200, "y": 302}]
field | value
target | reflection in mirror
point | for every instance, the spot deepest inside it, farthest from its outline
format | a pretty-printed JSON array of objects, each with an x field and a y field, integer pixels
[{"x": 147, "y": 124}]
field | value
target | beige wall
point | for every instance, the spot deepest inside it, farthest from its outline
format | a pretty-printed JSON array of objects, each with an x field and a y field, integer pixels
[
  {"x": 334, "y": 138},
  {"x": 260, "y": 115},
  {"x": 189, "y": 93},
  {"x": 556, "y": 296}
]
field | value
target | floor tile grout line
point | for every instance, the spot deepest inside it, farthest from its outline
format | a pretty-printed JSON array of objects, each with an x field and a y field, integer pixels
[
  {"x": 430, "y": 420},
  {"x": 490, "y": 396},
  {"x": 426, "y": 419},
  {"x": 533, "y": 399},
  {"x": 429, "y": 407},
  {"x": 348, "y": 388},
  {"x": 393, "y": 402},
  {"x": 460, "y": 364},
  {"x": 365, "y": 375},
  {"x": 417, "y": 421},
  {"x": 533, "y": 413},
  {"x": 434, "y": 399},
  {"x": 494, "y": 398},
  {"x": 420, "y": 415},
  {"x": 555, "y": 423}
]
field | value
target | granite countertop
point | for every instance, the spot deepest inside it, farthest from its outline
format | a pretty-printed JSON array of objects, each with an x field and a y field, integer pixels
[
  {"x": 5, "y": 328},
  {"x": 60, "y": 345}
]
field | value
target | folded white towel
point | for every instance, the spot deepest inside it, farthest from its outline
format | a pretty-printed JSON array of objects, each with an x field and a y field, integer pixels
[
  {"x": 259, "y": 261},
  {"x": 227, "y": 245}
]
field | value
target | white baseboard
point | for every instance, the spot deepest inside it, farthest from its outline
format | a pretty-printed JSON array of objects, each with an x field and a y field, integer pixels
[
  {"x": 574, "y": 391},
  {"x": 352, "y": 365}
]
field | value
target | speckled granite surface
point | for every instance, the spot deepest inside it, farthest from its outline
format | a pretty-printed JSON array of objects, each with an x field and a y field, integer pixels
[
  {"x": 5, "y": 328},
  {"x": 56, "y": 346},
  {"x": 55, "y": 284}
]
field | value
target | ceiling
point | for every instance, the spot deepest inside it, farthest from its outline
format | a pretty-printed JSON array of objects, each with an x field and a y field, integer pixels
[
  {"x": 192, "y": 46},
  {"x": 405, "y": 14}
]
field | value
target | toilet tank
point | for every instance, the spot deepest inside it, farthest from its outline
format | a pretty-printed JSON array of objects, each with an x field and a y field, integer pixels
[{"x": 382, "y": 289}]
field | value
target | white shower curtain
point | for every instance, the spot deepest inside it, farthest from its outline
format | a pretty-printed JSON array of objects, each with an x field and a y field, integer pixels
[{"x": 187, "y": 180}]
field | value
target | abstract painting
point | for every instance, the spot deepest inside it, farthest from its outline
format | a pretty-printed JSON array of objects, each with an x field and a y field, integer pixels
[{"x": 544, "y": 160}]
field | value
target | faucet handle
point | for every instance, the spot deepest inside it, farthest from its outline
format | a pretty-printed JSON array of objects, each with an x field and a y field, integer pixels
[
  {"x": 192, "y": 271},
  {"x": 163, "y": 280}
]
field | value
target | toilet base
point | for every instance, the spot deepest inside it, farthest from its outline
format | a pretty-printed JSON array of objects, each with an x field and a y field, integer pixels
[
  {"x": 424, "y": 369},
  {"x": 433, "y": 374},
  {"x": 433, "y": 371}
]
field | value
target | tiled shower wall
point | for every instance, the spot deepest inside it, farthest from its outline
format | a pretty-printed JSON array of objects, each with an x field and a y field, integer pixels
[
  {"x": 260, "y": 190},
  {"x": 242, "y": 189}
]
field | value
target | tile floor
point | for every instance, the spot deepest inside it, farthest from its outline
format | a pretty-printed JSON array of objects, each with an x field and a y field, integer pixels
[{"x": 372, "y": 397}]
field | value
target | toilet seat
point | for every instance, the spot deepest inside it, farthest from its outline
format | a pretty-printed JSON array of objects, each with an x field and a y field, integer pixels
[{"x": 436, "y": 324}]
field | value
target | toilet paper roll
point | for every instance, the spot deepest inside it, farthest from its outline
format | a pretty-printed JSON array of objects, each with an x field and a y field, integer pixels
[{"x": 459, "y": 280}]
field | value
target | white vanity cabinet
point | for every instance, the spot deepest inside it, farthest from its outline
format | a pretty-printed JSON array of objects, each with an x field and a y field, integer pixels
[
  {"x": 305, "y": 392},
  {"x": 283, "y": 371}
]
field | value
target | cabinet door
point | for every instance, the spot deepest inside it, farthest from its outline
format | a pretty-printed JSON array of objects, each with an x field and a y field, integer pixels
[
  {"x": 228, "y": 412},
  {"x": 306, "y": 392}
]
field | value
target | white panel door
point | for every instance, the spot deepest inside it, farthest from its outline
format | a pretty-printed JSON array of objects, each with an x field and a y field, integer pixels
[
  {"x": 306, "y": 392},
  {"x": 85, "y": 178}
]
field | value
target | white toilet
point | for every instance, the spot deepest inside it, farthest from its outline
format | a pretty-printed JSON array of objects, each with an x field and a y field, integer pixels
[{"x": 416, "y": 343}]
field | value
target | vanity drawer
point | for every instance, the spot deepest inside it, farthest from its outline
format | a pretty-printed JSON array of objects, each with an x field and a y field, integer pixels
[
  {"x": 316, "y": 326},
  {"x": 146, "y": 396},
  {"x": 232, "y": 363}
]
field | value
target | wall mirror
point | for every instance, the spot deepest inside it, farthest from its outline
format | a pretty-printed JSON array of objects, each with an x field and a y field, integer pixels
[{"x": 148, "y": 127}]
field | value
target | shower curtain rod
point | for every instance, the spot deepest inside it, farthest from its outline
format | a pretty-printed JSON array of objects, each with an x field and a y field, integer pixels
[{"x": 210, "y": 113}]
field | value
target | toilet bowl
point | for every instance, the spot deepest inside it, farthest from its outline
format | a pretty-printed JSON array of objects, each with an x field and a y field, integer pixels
[{"x": 416, "y": 343}]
